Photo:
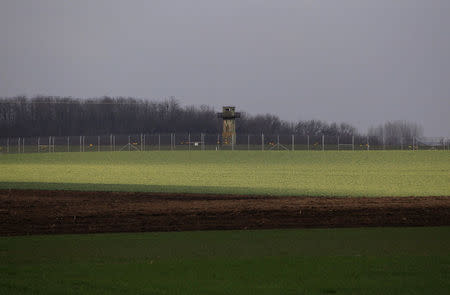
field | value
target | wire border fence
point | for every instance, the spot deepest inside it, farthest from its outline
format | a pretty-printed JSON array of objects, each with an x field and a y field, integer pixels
[{"x": 203, "y": 142}]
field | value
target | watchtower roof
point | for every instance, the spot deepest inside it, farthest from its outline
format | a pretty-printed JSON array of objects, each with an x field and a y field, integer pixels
[{"x": 228, "y": 112}]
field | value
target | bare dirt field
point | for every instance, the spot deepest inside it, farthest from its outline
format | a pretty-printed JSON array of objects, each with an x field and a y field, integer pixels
[{"x": 51, "y": 212}]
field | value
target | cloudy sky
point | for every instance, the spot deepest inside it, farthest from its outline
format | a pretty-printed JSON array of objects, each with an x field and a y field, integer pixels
[{"x": 359, "y": 61}]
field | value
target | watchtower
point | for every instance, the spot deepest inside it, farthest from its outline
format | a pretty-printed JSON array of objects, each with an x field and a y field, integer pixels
[{"x": 229, "y": 115}]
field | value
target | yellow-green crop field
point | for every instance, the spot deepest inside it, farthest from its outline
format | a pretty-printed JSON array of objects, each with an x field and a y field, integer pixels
[{"x": 329, "y": 173}]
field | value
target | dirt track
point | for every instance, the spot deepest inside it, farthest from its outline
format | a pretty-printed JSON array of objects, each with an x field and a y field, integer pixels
[{"x": 48, "y": 212}]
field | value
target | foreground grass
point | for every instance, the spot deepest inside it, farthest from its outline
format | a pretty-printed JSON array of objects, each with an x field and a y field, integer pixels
[
  {"x": 374, "y": 173},
  {"x": 318, "y": 261}
]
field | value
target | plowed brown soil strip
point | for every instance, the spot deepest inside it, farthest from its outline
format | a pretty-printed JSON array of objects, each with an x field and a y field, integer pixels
[{"x": 45, "y": 212}]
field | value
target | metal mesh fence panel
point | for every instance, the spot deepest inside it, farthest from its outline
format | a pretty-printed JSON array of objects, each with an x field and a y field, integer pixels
[
  {"x": 4, "y": 145},
  {"x": 345, "y": 143},
  {"x": 210, "y": 141},
  {"x": 166, "y": 142},
  {"x": 284, "y": 142},
  {"x": 57, "y": 144},
  {"x": 330, "y": 143},
  {"x": 11, "y": 145},
  {"x": 196, "y": 141},
  {"x": 251, "y": 141},
  {"x": 361, "y": 143},
  {"x": 182, "y": 141},
  {"x": 408, "y": 144},
  {"x": 375, "y": 143},
  {"x": 152, "y": 142},
  {"x": 270, "y": 140},
  {"x": 300, "y": 142},
  {"x": 242, "y": 142},
  {"x": 315, "y": 143}
]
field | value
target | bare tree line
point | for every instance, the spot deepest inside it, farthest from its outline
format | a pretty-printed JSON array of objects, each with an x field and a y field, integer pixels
[
  {"x": 62, "y": 116},
  {"x": 392, "y": 132}
]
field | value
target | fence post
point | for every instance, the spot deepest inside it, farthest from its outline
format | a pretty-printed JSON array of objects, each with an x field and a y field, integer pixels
[
  {"x": 353, "y": 143},
  {"x": 143, "y": 142},
  {"x": 278, "y": 142},
  {"x": 307, "y": 137},
  {"x": 7, "y": 145},
  {"x": 202, "y": 142},
  {"x": 159, "y": 142},
  {"x": 129, "y": 143},
  {"x": 338, "y": 142},
  {"x": 98, "y": 143},
  {"x": 68, "y": 144},
  {"x": 38, "y": 141},
  {"x": 368, "y": 145},
  {"x": 323, "y": 142},
  {"x": 262, "y": 141},
  {"x": 49, "y": 143},
  {"x": 293, "y": 144},
  {"x": 189, "y": 141},
  {"x": 248, "y": 142},
  {"x": 233, "y": 138},
  {"x": 84, "y": 137},
  {"x": 80, "y": 143},
  {"x": 414, "y": 143},
  {"x": 23, "y": 145},
  {"x": 401, "y": 143}
]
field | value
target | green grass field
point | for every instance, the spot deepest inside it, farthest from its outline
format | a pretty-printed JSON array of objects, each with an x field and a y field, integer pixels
[
  {"x": 314, "y": 261},
  {"x": 374, "y": 173}
]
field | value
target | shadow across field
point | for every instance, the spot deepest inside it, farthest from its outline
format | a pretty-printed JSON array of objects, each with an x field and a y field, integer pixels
[
  {"x": 169, "y": 189},
  {"x": 112, "y": 187}
]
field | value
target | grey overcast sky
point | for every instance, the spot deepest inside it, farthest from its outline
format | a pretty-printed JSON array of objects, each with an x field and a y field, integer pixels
[{"x": 359, "y": 61}]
